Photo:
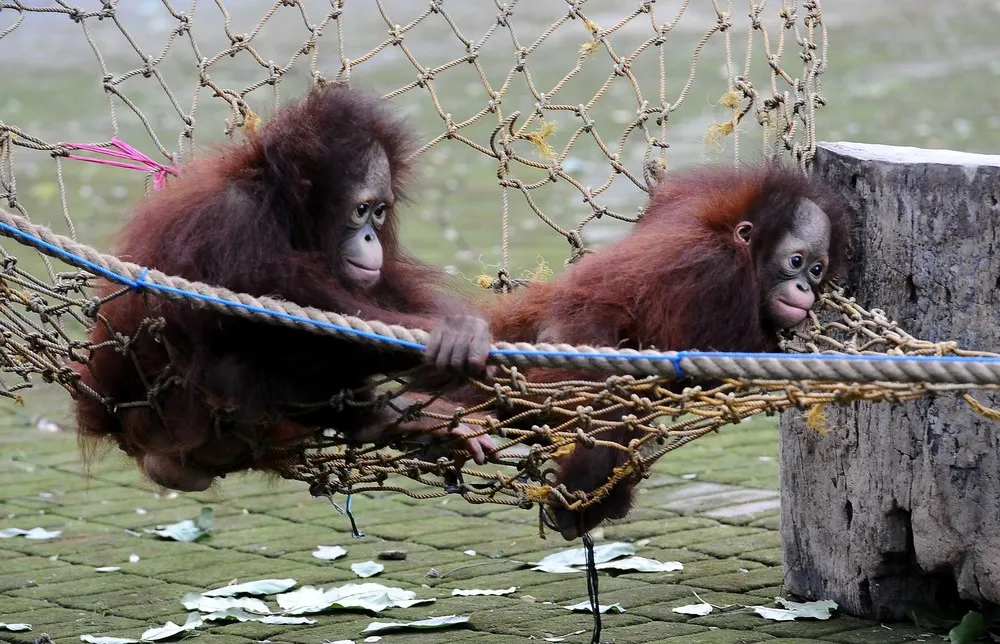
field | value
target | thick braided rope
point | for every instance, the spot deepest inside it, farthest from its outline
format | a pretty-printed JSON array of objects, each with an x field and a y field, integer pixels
[
  {"x": 837, "y": 368},
  {"x": 216, "y": 298}
]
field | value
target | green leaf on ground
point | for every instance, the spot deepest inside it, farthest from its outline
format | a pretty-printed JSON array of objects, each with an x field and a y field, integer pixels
[
  {"x": 194, "y": 601},
  {"x": 971, "y": 628},
  {"x": 434, "y": 622},
  {"x": 258, "y": 587},
  {"x": 699, "y": 610},
  {"x": 584, "y": 607},
  {"x": 329, "y": 553},
  {"x": 476, "y": 591},
  {"x": 795, "y": 610},
  {"x": 563, "y": 561},
  {"x": 38, "y": 534},
  {"x": 170, "y": 629},
  {"x": 368, "y": 596},
  {"x": 367, "y": 569}
]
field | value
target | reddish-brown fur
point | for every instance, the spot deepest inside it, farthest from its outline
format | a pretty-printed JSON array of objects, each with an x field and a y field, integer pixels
[
  {"x": 263, "y": 217},
  {"x": 679, "y": 281}
]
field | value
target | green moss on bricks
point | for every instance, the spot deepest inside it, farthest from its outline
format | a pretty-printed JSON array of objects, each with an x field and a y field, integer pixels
[
  {"x": 560, "y": 623},
  {"x": 327, "y": 576},
  {"x": 70, "y": 631},
  {"x": 449, "y": 605},
  {"x": 330, "y": 627},
  {"x": 734, "y": 618},
  {"x": 469, "y": 572},
  {"x": 456, "y": 537},
  {"x": 769, "y": 592},
  {"x": 713, "y": 567},
  {"x": 221, "y": 574},
  {"x": 517, "y": 548},
  {"x": 41, "y": 618},
  {"x": 110, "y": 601},
  {"x": 768, "y": 556},
  {"x": 170, "y": 557},
  {"x": 771, "y": 522},
  {"x": 653, "y": 599},
  {"x": 741, "y": 582},
  {"x": 879, "y": 635},
  {"x": 467, "y": 636},
  {"x": 720, "y": 636},
  {"x": 179, "y": 512},
  {"x": 839, "y": 623},
  {"x": 273, "y": 539},
  {"x": 154, "y": 612},
  {"x": 515, "y": 620},
  {"x": 32, "y": 578},
  {"x": 149, "y": 550},
  {"x": 99, "y": 506},
  {"x": 652, "y": 632},
  {"x": 12, "y": 605},
  {"x": 218, "y": 636},
  {"x": 706, "y": 534},
  {"x": 25, "y": 564},
  {"x": 433, "y": 522},
  {"x": 730, "y": 547},
  {"x": 94, "y": 583}
]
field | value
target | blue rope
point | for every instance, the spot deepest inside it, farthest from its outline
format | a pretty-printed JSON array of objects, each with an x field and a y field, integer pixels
[
  {"x": 674, "y": 358},
  {"x": 139, "y": 283}
]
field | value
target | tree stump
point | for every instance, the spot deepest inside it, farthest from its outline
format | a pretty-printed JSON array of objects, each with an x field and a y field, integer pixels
[{"x": 901, "y": 503}]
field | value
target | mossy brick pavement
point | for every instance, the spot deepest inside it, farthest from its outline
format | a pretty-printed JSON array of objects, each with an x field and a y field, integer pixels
[{"x": 711, "y": 505}]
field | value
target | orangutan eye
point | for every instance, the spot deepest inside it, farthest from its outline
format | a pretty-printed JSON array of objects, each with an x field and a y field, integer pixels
[
  {"x": 816, "y": 270},
  {"x": 796, "y": 261},
  {"x": 379, "y": 213},
  {"x": 360, "y": 213}
]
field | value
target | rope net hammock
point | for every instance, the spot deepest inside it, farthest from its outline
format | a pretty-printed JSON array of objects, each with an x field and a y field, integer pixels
[{"x": 565, "y": 102}]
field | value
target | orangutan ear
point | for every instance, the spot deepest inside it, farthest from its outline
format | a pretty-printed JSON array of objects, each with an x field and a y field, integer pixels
[{"x": 742, "y": 233}]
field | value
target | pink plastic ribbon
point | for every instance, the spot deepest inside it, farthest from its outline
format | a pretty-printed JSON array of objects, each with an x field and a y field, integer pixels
[{"x": 125, "y": 151}]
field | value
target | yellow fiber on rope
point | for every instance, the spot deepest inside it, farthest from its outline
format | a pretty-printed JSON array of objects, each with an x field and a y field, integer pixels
[
  {"x": 588, "y": 48},
  {"x": 541, "y": 273},
  {"x": 539, "y": 136},
  {"x": 622, "y": 471},
  {"x": 816, "y": 419},
  {"x": 563, "y": 451},
  {"x": 716, "y": 132},
  {"x": 483, "y": 281},
  {"x": 730, "y": 100},
  {"x": 251, "y": 121},
  {"x": 538, "y": 493},
  {"x": 989, "y": 412}
]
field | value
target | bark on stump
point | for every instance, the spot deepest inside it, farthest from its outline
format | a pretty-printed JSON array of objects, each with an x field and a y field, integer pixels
[{"x": 901, "y": 503}]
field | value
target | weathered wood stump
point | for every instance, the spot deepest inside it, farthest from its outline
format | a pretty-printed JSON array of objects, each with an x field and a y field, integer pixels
[{"x": 901, "y": 502}]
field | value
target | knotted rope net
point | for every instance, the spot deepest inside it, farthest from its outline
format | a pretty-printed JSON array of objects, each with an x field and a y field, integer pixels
[{"x": 563, "y": 110}]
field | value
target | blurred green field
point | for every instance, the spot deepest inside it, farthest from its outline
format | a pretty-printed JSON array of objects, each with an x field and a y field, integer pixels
[{"x": 918, "y": 73}]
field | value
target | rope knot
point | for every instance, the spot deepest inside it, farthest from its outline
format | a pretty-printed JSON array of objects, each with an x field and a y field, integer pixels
[
  {"x": 411, "y": 413},
  {"x": 543, "y": 432},
  {"x": 341, "y": 399},
  {"x": 396, "y": 34},
  {"x": 91, "y": 307},
  {"x": 585, "y": 440},
  {"x": 457, "y": 416}
]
